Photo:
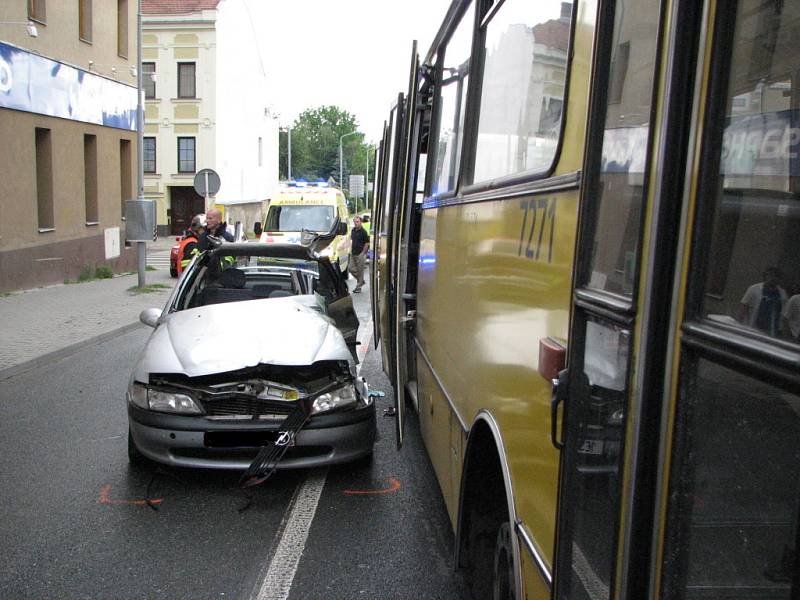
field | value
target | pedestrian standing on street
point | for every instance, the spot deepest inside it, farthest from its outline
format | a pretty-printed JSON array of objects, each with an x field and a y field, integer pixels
[
  {"x": 358, "y": 253},
  {"x": 216, "y": 227},
  {"x": 762, "y": 305},
  {"x": 190, "y": 244}
]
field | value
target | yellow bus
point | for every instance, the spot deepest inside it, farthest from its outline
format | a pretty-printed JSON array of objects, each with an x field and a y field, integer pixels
[{"x": 586, "y": 284}]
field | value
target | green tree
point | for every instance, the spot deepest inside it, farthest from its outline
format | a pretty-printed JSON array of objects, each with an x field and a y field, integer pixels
[{"x": 315, "y": 145}]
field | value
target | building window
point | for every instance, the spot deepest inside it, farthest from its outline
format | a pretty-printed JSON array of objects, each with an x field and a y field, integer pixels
[
  {"x": 149, "y": 153},
  {"x": 85, "y": 20},
  {"x": 125, "y": 174},
  {"x": 260, "y": 153},
  {"x": 44, "y": 179},
  {"x": 149, "y": 79},
  {"x": 37, "y": 10},
  {"x": 122, "y": 28},
  {"x": 186, "y": 154},
  {"x": 90, "y": 178},
  {"x": 186, "y": 80}
]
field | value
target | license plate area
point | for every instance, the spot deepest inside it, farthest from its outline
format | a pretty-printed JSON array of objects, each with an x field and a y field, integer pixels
[
  {"x": 239, "y": 439},
  {"x": 593, "y": 447}
]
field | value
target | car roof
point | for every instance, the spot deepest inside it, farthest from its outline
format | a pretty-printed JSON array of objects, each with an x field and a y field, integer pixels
[{"x": 294, "y": 251}]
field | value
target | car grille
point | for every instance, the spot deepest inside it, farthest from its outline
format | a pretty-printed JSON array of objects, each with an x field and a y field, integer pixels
[{"x": 247, "y": 408}]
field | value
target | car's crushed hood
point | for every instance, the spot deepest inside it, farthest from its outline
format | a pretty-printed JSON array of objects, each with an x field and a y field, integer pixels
[{"x": 227, "y": 337}]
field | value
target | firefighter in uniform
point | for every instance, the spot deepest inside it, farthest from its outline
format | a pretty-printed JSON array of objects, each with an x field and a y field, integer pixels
[{"x": 189, "y": 246}]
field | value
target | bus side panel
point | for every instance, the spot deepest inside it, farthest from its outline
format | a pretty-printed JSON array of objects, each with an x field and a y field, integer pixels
[
  {"x": 494, "y": 279},
  {"x": 535, "y": 586},
  {"x": 434, "y": 419}
]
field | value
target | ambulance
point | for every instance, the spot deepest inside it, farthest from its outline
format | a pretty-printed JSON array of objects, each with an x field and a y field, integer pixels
[{"x": 312, "y": 206}]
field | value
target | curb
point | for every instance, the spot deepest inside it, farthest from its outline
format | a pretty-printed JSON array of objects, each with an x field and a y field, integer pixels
[{"x": 67, "y": 351}]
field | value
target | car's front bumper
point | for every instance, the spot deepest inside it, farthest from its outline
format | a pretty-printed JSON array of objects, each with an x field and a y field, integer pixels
[{"x": 198, "y": 442}]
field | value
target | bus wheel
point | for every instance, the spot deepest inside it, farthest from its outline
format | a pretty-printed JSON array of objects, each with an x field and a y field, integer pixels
[{"x": 503, "y": 581}]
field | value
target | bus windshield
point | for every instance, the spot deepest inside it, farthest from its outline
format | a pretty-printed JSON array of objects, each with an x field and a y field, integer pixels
[{"x": 298, "y": 216}]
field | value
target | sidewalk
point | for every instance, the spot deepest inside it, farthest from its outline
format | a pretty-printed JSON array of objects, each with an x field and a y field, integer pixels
[{"x": 47, "y": 323}]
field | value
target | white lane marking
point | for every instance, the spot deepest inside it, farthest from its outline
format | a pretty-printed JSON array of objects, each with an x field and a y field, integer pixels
[
  {"x": 364, "y": 340},
  {"x": 278, "y": 582},
  {"x": 282, "y": 568},
  {"x": 593, "y": 585}
]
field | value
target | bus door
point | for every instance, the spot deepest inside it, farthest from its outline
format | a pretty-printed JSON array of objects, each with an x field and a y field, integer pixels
[
  {"x": 680, "y": 472},
  {"x": 406, "y": 251},
  {"x": 731, "y": 497},
  {"x": 594, "y": 395},
  {"x": 375, "y": 229},
  {"x": 384, "y": 240}
]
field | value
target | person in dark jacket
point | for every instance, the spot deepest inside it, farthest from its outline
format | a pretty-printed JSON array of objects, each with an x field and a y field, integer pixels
[
  {"x": 358, "y": 253},
  {"x": 216, "y": 227}
]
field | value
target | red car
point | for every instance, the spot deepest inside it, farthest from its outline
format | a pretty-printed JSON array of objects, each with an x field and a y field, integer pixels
[{"x": 174, "y": 258}]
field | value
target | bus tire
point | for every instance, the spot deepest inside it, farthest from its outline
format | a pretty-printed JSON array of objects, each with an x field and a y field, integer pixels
[{"x": 503, "y": 579}]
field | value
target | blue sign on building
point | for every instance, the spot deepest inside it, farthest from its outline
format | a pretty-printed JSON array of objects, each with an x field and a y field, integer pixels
[{"x": 39, "y": 85}]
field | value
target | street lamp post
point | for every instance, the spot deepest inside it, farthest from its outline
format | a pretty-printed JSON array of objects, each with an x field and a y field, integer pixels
[
  {"x": 141, "y": 249},
  {"x": 366, "y": 181},
  {"x": 341, "y": 160}
]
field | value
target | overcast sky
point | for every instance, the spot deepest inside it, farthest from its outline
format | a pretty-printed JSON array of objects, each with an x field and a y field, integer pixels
[{"x": 354, "y": 54}]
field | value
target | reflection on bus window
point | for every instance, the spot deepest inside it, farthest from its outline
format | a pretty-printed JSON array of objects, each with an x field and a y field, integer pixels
[
  {"x": 739, "y": 488},
  {"x": 753, "y": 279},
  {"x": 522, "y": 97},
  {"x": 452, "y": 103},
  {"x": 620, "y": 189},
  {"x": 598, "y": 423}
]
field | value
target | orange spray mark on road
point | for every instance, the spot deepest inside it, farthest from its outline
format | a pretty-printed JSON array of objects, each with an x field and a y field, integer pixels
[
  {"x": 394, "y": 485},
  {"x": 105, "y": 498}
]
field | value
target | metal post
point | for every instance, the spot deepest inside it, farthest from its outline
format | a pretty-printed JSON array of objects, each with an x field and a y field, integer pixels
[
  {"x": 366, "y": 182},
  {"x": 141, "y": 248},
  {"x": 205, "y": 175},
  {"x": 289, "y": 133},
  {"x": 341, "y": 159}
]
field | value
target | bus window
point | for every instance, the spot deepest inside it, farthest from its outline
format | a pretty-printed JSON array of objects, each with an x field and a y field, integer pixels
[
  {"x": 521, "y": 106},
  {"x": 620, "y": 190},
  {"x": 452, "y": 102},
  {"x": 753, "y": 280}
]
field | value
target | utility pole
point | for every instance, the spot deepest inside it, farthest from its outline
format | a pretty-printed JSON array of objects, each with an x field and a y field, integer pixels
[
  {"x": 141, "y": 249},
  {"x": 341, "y": 159},
  {"x": 289, "y": 135}
]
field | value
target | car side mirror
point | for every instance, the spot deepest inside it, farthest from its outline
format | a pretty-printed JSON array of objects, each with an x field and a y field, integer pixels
[
  {"x": 257, "y": 229},
  {"x": 150, "y": 316},
  {"x": 342, "y": 229}
]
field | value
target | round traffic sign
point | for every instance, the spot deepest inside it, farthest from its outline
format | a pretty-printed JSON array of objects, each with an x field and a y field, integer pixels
[{"x": 206, "y": 182}]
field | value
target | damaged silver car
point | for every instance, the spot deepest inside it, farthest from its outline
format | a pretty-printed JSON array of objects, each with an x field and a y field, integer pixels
[{"x": 252, "y": 365}]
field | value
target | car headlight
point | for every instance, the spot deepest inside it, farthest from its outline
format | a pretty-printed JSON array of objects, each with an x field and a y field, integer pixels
[
  {"x": 162, "y": 401},
  {"x": 339, "y": 398}
]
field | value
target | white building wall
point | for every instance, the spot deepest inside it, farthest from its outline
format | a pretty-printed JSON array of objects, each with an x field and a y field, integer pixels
[{"x": 243, "y": 111}]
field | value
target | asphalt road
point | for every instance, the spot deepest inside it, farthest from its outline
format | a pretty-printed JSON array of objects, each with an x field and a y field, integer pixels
[{"x": 75, "y": 522}]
